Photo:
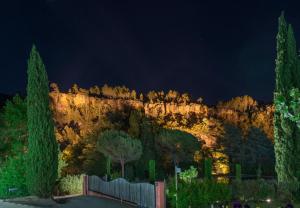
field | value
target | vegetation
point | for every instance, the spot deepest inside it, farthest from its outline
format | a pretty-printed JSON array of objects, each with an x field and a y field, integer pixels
[
  {"x": 199, "y": 194},
  {"x": 71, "y": 184},
  {"x": 13, "y": 126},
  {"x": 42, "y": 146},
  {"x": 208, "y": 169},
  {"x": 189, "y": 175},
  {"x": 286, "y": 132},
  {"x": 238, "y": 172},
  {"x": 149, "y": 134},
  {"x": 120, "y": 147},
  {"x": 152, "y": 174},
  {"x": 13, "y": 177}
]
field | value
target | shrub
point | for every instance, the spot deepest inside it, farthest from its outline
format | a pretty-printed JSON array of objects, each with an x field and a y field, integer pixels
[
  {"x": 208, "y": 168},
  {"x": 253, "y": 190},
  {"x": 71, "y": 184},
  {"x": 152, "y": 174},
  {"x": 13, "y": 176},
  {"x": 188, "y": 175},
  {"x": 198, "y": 193},
  {"x": 115, "y": 175},
  {"x": 238, "y": 172}
]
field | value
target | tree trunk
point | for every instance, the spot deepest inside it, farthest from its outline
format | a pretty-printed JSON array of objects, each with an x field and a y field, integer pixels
[{"x": 122, "y": 165}]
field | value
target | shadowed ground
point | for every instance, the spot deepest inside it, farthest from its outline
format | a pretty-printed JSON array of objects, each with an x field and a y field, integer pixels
[
  {"x": 74, "y": 202},
  {"x": 92, "y": 202}
]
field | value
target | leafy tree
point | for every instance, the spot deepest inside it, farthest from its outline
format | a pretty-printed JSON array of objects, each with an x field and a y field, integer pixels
[
  {"x": 13, "y": 127},
  {"x": 134, "y": 123},
  {"x": 75, "y": 89},
  {"x": 54, "y": 87},
  {"x": 148, "y": 130},
  {"x": 176, "y": 146},
  {"x": 119, "y": 146},
  {"x": 286, "y": 132},
  {"x": 42, "y": 146}
]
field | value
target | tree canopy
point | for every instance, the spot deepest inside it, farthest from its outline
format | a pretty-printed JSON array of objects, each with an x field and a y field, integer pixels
[{"x": 119, "y": 146}]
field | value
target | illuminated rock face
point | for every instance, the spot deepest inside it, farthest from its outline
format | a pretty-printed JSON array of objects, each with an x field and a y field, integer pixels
[
  {"x": 78, "y": 115},
  {"x": 82, "y": 113}
]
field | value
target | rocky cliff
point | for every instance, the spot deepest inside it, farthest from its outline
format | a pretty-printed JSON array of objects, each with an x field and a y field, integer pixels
[{"x": 79, "y": 114}]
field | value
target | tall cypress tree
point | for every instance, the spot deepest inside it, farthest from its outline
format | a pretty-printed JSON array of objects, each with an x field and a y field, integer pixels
[
  {"x": 42, "y": 146},
  {"x": 285, "y": 131}
]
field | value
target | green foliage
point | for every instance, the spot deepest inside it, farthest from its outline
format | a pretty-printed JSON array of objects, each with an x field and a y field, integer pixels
[
  {"x": 148, "y": 130},
  {"x": 253, "y": 190},
  {"x": 188, "y": 175},
  {"x": 115, "y": 175},
  {"x": 134, "y": 124},
  {"x": 61, "y": 164},
  {"x": 286, "y": 131},
  {"x": 199, "y": 193},
  {"x": 13, "y": 175},
  {"x": 152, "y": 174},
  {"x": 208, "y": 168},
  {"x": 108, "y": 166},
  {"x": 13, "y": 126},
  {"x": 119, "y": 146},
  {"x": 129, "y": 172},
  {"x": 42, "y": 146},
  {"x": 71, "y": 184},
  {"x": 178, "y": 145},
  {"x": 238, "y": 172}
]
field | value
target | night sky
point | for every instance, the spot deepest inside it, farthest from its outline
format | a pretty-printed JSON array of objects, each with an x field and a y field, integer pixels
[{"x": 213, "y": 49}]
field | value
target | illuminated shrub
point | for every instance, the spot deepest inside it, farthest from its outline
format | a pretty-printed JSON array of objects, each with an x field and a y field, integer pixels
[{"x": 71, "y": 184}]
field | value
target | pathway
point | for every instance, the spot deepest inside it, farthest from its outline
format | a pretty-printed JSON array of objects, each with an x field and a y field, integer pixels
[
  {"x": 75, "y": 202},
  {"x": 12, "y": 205}
]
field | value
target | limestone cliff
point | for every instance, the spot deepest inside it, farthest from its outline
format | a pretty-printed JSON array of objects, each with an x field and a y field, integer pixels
[{"x": 79, "y": 114}]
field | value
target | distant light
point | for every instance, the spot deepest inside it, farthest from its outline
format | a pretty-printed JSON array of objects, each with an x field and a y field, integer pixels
[{"x": 268, "y": 200}]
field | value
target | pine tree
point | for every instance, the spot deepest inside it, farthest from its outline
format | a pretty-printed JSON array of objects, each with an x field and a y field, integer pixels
[
  {"x": 42, "y": 146},
  {"x": 285, "y": 131}
]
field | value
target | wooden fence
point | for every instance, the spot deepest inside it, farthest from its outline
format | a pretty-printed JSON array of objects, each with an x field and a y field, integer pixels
[{"x": 142, "y": 194}]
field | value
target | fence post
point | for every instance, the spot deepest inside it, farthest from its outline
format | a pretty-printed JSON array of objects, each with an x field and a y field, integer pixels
[
  {"x": 85, "y": 186},
  {"x": 160, "y": 196}
]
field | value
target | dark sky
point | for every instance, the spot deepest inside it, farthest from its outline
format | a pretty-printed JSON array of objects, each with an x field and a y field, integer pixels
[{"x": 213, "y": 49}]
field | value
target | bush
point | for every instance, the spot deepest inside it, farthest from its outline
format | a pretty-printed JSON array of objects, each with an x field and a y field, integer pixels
[
  {"x": 198, "y": 193},
  {"x": 152, "y": 174},
  {"x": 71, "y": 184},
  {"x": 189, "y": 175},
  {"x": 13, "y": 176},
  {"x": 253, "y": 190},
  {"x": 115, "y": 175}
]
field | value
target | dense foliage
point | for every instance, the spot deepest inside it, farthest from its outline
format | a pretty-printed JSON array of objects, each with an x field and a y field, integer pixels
[
  {"x": 13, "y": 126},
  {"x": 13, "y": 177},
  {"x": 199, "y": 194},
  {"x": 71, "y": 184},
  {"x": 286, "y": 132},
  {"x": 42, "y": 146},
  {"x": 120, "y": 147}
]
